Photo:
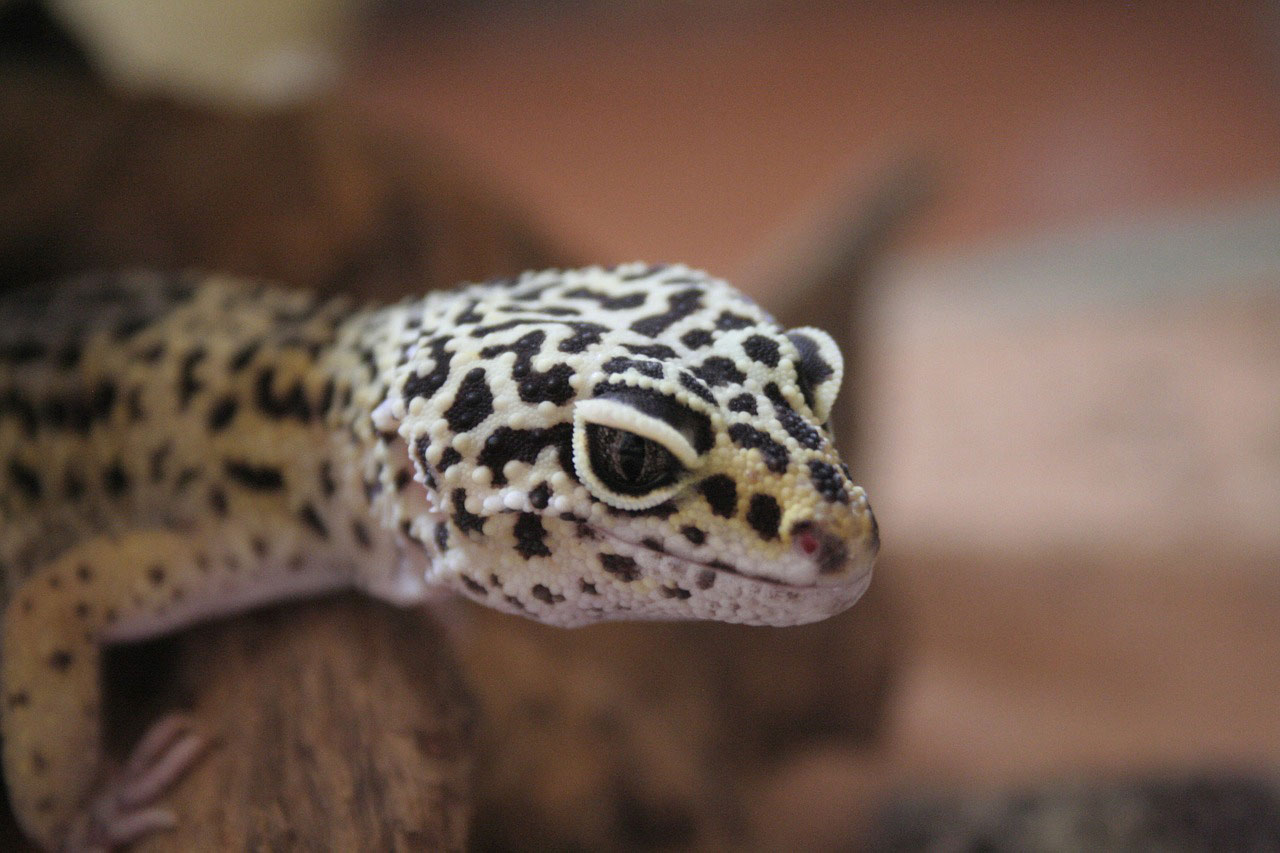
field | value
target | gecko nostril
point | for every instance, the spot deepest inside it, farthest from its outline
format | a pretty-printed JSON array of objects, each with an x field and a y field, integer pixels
[
  {"x": 808, "y": 542},
  {"x": 825, "y": 549},
  {"x": 806, "y": 537}
]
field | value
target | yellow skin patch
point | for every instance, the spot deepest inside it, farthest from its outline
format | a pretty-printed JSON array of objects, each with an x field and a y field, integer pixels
[{"x": 572, "y": 446}]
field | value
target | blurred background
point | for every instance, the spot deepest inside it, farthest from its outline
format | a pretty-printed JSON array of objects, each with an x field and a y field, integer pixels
[{"x": 1067, "y": 372}]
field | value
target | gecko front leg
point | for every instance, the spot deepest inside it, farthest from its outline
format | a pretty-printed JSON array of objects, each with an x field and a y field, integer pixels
[{"x": 140, "y": 584}]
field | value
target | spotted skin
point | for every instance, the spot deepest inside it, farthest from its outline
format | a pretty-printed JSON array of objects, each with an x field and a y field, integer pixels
[{"x": 570, "y": 446}]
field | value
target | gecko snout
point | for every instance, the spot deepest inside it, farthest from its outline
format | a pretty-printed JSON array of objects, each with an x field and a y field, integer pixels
[{"x": 837, "y": 557}]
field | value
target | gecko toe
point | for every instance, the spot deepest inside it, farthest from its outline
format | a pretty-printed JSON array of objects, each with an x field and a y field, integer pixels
[{"x": 124, "y": 809}]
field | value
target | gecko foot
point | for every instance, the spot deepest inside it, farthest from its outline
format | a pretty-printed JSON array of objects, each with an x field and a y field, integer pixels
[{"x": 124, "y": 809}]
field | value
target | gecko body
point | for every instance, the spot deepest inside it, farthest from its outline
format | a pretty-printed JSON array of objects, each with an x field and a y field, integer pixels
[{"x": 571, "y": 446}]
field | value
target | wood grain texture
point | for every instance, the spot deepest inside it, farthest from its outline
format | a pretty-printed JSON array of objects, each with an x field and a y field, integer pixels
[{"x": 338, "y": 724}]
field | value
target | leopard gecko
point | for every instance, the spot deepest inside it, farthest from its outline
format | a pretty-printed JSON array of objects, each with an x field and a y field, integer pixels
[{"x": 633, "y": 442}]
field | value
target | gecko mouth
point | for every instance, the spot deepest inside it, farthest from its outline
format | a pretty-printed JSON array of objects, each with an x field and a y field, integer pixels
[{"x": 716, "y": 566}]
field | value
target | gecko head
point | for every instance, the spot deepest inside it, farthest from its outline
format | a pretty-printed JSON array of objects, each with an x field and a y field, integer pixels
[{"x": 683, "y": 468}]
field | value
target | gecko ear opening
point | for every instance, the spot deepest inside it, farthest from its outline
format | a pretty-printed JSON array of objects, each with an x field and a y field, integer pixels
[
  {"x": 626, "y": 458},
  {"x": 819, "y": 368}
]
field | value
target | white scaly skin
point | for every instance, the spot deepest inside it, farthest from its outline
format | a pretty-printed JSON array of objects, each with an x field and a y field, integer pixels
[{"x": 639, "y": 442}]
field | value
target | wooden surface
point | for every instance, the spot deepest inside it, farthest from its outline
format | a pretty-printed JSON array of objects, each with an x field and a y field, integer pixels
[{"x": 340, "y": 725}]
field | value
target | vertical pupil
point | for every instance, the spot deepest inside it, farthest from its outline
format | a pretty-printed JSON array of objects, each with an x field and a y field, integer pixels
[{"x": 631, "y": 456}]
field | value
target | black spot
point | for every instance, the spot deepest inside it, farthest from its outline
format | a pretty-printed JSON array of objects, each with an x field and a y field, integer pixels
[
  {"x": 743, "y": 403},
  {"x": 325, "y": 401},
  {"x": 448, "y": 458},
  {"x": 19, "y": 699},
  {"x": 762, "y": 349},
  {"x": 694, "y": 425},
  {"x": 259, "y": 547},
  {"x": 218, "y": 500},
  {"x": 506, "y": 444},
  {"x": 718, "y": 370},
  {"x": 609, "y": 303},
  {"x": 728, "y": 321},
  {"x": 114, "y": 480},
  {"x": 156, "y": 575},
  {"x": 361, "y": 534},
  {"x": 721, "y": 493},
  {"x": 84, "y": 573},
  {"x": 706, "y": 579},
  {"x": 812, "y": 370},
  {"x": 442, "y": 536},
  {"x": 540, "y": 496},
  {"x": 22, "y": 352},
  {"x": 621, "y": 364},
  {"x": 829, "y": 481},
  {"x": 188, "y": 384},
  {"x": 674, "y": 592},
  {"x": 775, "y": 455},
  {"x": 584, "y": 335},
  {"x": 587, "y": 587},
  {"x": 534, "y": 387},
  {"x": 472, "y": 404},
  {"x": 545, "y": 595},
  {"x": 291, "y": 404},
  {"x": 156, "y": 461},
  {"x": 126, "y": 329},
  {"x": 73, "y": 485},
  {"x": 327, "y": 485},
  {"x": 69, "y": 356},
  {"x": 702, "y": 391},
  {"x": 185, "y": 478},
  {"x": 764, "y": 515},
  {"x": 152, "y": 353},
  {"x": 403, "y": 476},
  {"x": 552, "y": 386},
  {"x": 622, "y": 566},
  {"x": 25, "y": 479},
  {"x": 312, "y": 519},
  {"x": 464, "y": 519},
  {"x": 697, "y": 338},
  {"x": 241, "y": 358},
  {"x": 61, "y": 660},
  {"x": 530, "y": 534},
  {"x": 58, "y": 413},
  {"x": 427, "y": 385},
  {"x": 679, "y": 306},
  {"x": 474, "y": 587},
  {"x": 795, "y": 425},
  {"x": 259, "y": 478},
  {"x": 13, "y": 403},
  {"x": 653, "y": 544},
  {"x": 468, "y": 315},
  {"x": 662, "y": 352},
  {"x": 693, "y": 534},
  {"x": 102, "y": 401},
  {"x": 222, "y": 413},
  {"x": 136, "y": 412}
]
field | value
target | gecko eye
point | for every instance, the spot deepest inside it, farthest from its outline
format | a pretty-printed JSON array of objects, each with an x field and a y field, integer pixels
[{"x": 627, "y": 464}]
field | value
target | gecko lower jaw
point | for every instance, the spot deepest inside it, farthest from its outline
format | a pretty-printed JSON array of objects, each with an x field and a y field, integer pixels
[{"x": 859, "y": 579}]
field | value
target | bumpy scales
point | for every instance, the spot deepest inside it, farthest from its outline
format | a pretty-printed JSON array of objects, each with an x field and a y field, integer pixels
[{"x": 636, "y": 442}]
